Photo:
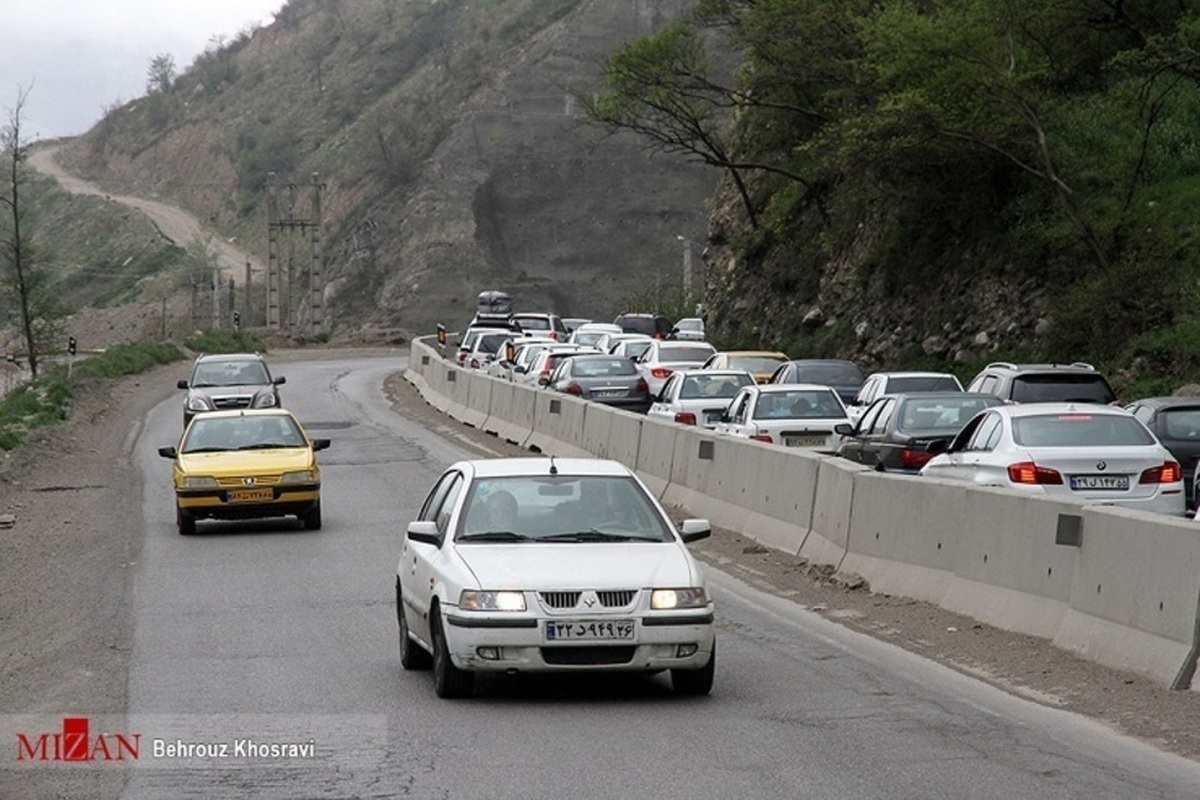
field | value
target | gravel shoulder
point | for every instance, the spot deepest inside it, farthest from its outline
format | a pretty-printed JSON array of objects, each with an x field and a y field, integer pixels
[{"x": 67, "y": 563}]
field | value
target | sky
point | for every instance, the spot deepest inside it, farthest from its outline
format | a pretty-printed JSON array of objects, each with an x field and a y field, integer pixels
[{"x": 75, "y": 58}]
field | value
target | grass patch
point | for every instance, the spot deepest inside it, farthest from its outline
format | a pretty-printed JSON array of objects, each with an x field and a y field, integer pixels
[
  {"x": 128, "y": 359},
  {"x": 224, "y": 341}
]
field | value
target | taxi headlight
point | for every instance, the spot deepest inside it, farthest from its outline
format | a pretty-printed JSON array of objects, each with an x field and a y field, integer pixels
[
  {"x": 199, "y": 482},
  {"x": 693, "y": 597},
  {"x": 302, "y": 476},
  {"x": 479, "y": 600}
]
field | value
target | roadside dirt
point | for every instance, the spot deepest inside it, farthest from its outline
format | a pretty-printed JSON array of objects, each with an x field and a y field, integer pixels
[{"x": 1022, "y": 665}]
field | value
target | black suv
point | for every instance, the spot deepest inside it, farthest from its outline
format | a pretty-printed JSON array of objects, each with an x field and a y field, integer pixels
[
  {"x": 229, "y": 381},
  {"x": 1043, "y": 383},
  {"x": 655, "y": 325}
]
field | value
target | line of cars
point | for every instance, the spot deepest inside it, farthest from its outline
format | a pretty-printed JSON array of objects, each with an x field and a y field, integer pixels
[{"x": 913, "y": 422}]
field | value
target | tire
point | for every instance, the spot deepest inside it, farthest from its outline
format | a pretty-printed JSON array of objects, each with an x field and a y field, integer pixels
[
  {"x": 412, "y": 655},
  {"x": 695, "y": 681},
  {"x": 185, "y": 521},
  {"x": 312, "y": 518},
  {"x": 449, "y": 682}
]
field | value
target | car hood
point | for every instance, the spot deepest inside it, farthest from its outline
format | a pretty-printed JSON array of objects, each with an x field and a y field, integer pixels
[
  {"x": 561, "y": 566},
  {"x": 237, "y": 462}
]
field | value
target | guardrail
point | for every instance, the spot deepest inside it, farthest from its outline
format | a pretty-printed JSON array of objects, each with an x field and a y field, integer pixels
[{"x": 1118, "y": 587}]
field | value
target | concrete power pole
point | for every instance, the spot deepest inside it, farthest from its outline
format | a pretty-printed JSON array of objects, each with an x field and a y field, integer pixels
[
  {"x": 272, "y": 254},
  {"x": 316, "y": 281}
]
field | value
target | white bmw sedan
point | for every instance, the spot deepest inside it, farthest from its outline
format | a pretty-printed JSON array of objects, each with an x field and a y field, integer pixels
[
  {"x": 551, "y": 565},
  {"x": 1087, "y": 452}
]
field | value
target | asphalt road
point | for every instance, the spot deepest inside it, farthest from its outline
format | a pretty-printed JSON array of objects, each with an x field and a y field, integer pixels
[{"x": 269, "y": 633}]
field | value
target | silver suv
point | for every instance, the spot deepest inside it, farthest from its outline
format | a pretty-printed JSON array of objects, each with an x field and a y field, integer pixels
[
  {"x": 1041, "y": 383},
  {"x": 229, "y": 381}
]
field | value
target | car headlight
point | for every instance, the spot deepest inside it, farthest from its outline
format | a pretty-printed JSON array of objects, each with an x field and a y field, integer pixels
[
  {"x": 265, "y": 401},
  {"x": 694, "y": 597},
  {"x": 478, "y": 600},
  {"x": 199, "y": 482},
  {"x": 199, "y": 403},
  {"x": 302, "y": 476}
]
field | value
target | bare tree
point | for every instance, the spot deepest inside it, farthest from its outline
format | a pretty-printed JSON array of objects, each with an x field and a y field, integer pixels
[
  {"x": 15, "y": 249},
  {"x": 160, "y": 76}
]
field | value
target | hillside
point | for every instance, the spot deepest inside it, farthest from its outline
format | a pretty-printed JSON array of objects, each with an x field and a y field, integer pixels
[{"x": 452, "y": 157}]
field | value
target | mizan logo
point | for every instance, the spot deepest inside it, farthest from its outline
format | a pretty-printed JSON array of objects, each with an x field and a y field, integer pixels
[{"x": 75, "y": 743}]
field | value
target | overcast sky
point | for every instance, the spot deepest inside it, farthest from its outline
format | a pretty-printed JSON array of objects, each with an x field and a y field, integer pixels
[{"x": 78, "y": 57}]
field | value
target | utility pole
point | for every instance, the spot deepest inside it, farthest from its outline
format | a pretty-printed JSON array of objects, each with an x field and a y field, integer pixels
[
  {"x": 216, "y": 294},
  {"x": 281, "y": 305},
  {"x": 248, "y": 297}
]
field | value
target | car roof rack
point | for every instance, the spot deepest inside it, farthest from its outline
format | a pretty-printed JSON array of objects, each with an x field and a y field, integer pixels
[
  {"x": 1001, "y": 364},
  {"x": 1083, "y": 365}
]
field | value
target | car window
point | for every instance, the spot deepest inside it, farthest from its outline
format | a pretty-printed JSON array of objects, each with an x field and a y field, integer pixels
[
  {"x": 798, "y": 404},
  {"x": 695, "y": 355},
  {"x": 866, "y": 394},
  {"x": 943, "y": 414},
  {"x": 603, "y": 367},
  {"x": 869, "y": 416},
  {"x": 446, "y": 508},
  {"x": 737, "y": 412},
  {"x": 828, "y": 373},
  {"x": 1181, "y": 423},
  {"x": 922, "y": 383},
  {"x": 986, "y": 435},
  {"x": 564, "y": 508},
  {"x": 1080, "y": 430},
  {"x": 887, "y": 409},
  {"x": 726, "y": 387},
  {"x": 433, "y": 500},
  {"x": 754, "y": 363},
  {"x": 1085, "y": 388},
  {"x": 988, "y": 384}
]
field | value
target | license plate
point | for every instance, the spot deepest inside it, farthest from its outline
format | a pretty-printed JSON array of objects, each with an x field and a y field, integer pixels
[
  {"x": 250, "y": 495},
  {"x": 589, "y": 630},
  {"x": 804, "y": 441},
  {"x": 1085, "y": 482},
  {"x": 610, "y": 393}
]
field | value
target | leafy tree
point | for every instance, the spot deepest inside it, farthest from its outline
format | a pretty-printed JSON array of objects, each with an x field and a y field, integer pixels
[{"x": 160, "y": 77}]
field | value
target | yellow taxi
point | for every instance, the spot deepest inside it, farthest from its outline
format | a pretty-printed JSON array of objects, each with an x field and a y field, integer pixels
[
  {"x": 246, "y": 464},
  {"x": 759, "y": 363}
]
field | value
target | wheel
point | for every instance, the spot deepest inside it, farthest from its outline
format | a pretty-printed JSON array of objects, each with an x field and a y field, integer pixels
[
  {"x": 185, "y": 521},
  {"x": 412, "y": 655},
  {"x": 695, "y": 681},
  {"x": 448, "y": 680},
  {"x": 312, "y": 518}
]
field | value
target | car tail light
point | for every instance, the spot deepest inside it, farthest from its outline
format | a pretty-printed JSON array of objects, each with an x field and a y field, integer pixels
[
  {"x": 685, "y": 418},
  {"x": 1169, "y": 472},
  {"x": 762, "y": 437},
  {"x": 462, "y": 356},
  {"x": 474, "y": 363},
  {"x": 914, "y": 459},
  {"x": 642, "y": 387},
  {"x": 660, "y": 372},
  {"x": 574, "y": 388},
  {"x": 1030, "y": 474}
]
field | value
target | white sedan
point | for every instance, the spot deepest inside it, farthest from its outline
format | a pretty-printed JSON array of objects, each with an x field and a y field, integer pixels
[
  {"x": 551, "y": 565},
  {"x": 699, "y": 396},
  {"x": 664, "y": 356},
  {"x": 790, "y": 414},
  {"x": 1082, "y": 451}
]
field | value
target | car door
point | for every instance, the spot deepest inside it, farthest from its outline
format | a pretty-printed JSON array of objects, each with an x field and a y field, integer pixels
[
  {"x": 420, "y": 562},
  {"x": 973, "y": 443},
  {"x": 851, "y": 446},
  {"x": 667, "y": 402},
  {"x": 736, "y": 418},
  {"x": 874, "y": 435}
]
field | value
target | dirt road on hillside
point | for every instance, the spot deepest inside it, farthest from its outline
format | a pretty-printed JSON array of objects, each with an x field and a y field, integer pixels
[{"x": 175, "y": 224}]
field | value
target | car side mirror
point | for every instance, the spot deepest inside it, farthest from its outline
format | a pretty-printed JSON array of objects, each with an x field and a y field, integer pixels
[
  {"x": 695, "y": 529},
  {"x": 521, "y": 368},
  {"x": 168, "y": 452},
  {"x": 280, "y": 380},
  {"x": 182, "y": 384},
  {"x": 843, "y": 428},
  {"x": 320, "y": 444},
  {"x": 425, "y": 532}
]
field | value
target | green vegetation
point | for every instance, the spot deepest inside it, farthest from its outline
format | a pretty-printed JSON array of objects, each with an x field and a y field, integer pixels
[
  {"x": 47, "y": 400},
  {"x": 225, "y": 341},
  {"x": 932, "y": 145}
]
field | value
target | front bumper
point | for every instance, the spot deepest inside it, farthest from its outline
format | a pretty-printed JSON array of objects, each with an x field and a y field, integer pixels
[
  {"x": 291, "y": 500},
  {"x": 675, "y": 640}
]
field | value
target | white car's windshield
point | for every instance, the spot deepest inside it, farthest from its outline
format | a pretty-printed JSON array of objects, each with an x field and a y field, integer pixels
[{"x": 560, "y": 508}]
